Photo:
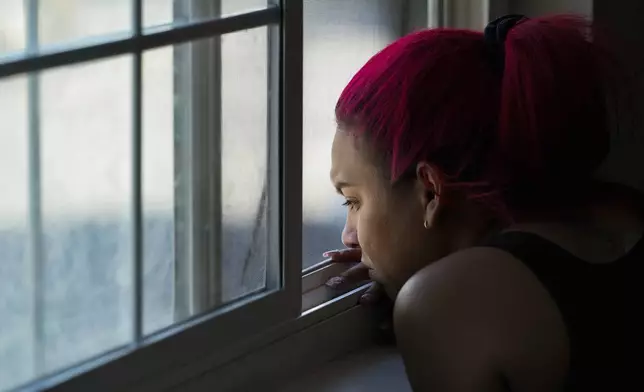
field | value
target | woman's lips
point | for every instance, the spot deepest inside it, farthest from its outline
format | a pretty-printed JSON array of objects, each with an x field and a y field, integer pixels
[
  {"x": 366, "y": 261},
  {"x": 375, "y": 276}
]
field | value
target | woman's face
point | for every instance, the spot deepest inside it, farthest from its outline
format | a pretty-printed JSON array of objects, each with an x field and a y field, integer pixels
[{"x": 386, "y": 221}]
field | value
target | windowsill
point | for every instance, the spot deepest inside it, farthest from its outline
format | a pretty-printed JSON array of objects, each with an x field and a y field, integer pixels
[
  {"x": 372, "y": 369},
  {"x": 314, "y": 291}
]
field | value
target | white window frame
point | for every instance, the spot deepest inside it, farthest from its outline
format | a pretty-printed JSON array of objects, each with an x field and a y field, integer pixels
[{"x": 304, "y": 323}]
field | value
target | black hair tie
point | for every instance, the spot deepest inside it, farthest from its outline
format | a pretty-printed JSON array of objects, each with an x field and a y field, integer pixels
[{"x": 495, "y": 34}]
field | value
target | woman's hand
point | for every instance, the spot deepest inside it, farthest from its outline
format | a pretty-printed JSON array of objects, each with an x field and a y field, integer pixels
[
  {"x": 375, "y": 294},
  {"x": 356, "y": 274}
]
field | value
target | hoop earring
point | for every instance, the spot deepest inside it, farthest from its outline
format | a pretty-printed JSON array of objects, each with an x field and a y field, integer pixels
[{"x": 426, "y": 224}]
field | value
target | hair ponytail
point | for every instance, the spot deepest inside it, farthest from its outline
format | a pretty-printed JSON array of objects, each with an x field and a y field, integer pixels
[{"x": 553, "y": 118}]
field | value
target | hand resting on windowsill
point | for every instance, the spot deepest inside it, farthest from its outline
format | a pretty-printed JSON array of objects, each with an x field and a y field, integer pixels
[{"x": 375, "y": 297}]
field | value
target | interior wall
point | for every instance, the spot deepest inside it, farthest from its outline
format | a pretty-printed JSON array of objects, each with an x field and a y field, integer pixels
[
  {"x": 541, "y": 7},
  {"x": 415, "y": 15},
  {"x": 622, "y": 22},
  {"x": 466, "y": 14}
]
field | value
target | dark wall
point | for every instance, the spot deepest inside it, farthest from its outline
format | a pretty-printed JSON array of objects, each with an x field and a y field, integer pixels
[
  {"x": 624, "y": 20},
  {"x": 623, "y": 24}
]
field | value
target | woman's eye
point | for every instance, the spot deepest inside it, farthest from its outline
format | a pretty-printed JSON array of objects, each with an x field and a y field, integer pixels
[{"x": 352, "y": 204}]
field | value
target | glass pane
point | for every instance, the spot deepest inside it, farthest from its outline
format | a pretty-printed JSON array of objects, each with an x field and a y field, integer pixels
[
  {"x": 162, "y": 12},
  {"x": 158, "y": 12},
  {"x": 12, "y": 26},
  {"x": 16, "y": 304},
  {"x": 339, "y": 37},
  {"x": 158, "y": 189},
  {"x": 86, "y": 196},
  {"x": 67, "y": 20},
  {"x": 237, "y": 6},
  {"x": 244, "y": 160},
  {"x": 193, "y": 264}
]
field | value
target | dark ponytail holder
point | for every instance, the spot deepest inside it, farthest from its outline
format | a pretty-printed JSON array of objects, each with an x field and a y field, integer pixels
[{"x": 495, "y": 34}]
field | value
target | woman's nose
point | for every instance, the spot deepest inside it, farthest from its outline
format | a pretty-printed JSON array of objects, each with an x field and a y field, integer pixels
[{"x": 350, "y": 237}]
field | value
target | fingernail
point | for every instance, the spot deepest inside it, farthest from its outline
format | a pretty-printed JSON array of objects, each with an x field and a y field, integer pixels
[
  {"x": 330, "y": 253},
  {"x": 335, "y": 282}
]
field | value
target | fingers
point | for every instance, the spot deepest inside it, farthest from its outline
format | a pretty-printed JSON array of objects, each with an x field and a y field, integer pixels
[
  {"x": 373, "y": 295},
  {"x": 359, "y": 273},
  {"x": 355, "y": 274},
  {"x": 349, "y": 255}
]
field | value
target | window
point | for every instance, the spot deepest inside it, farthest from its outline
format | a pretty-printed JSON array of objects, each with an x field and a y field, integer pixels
[
  {"x": 151, "y": 223},
  {"x": 142, "y": 145}
]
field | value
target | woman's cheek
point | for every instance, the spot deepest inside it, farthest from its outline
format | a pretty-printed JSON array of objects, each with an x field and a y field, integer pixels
[
  {"x": 372, "y": 240},
  {"x": 364, "y": 239}
]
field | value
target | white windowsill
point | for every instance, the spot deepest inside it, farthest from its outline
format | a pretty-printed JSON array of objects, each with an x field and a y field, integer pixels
[
  {"x": 331, "y": 327},
  {"x": 323, "y": 333},
  {"x": 372, "y": 369},
  {"x": 284, "y": 360}
]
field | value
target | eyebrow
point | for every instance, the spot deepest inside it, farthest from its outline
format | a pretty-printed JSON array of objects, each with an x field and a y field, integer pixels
[{"x": 341, "y": 184}]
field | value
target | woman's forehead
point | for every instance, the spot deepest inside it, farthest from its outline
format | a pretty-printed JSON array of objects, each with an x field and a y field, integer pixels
[{"x": 351, "y": 160}]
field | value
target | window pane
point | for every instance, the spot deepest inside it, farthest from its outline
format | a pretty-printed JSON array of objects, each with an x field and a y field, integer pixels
[
  {"x": 158, "y": 12},
  {"x": 16, "y": 303},
  {"x": 86, "y": 196},
  {"x": 12, "y": 26},
  {"x": 66, "y": 20},
  {"x": 161, "y": 12},
  {"x": 244, "y": 160},
  {"x": 237, "y": 6},
  {"x": 339, "y": 37},
  {"x": 159, "y": 189},
  {"x": 205, "y": 244}
]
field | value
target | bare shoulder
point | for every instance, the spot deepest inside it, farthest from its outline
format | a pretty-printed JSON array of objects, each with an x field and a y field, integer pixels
[
  {"x": 477, "y": 267},
  {"x": 481, "y": 313}
]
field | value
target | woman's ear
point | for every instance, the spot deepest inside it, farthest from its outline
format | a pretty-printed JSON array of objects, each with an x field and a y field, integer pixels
[{"x": 430, "y": 184}]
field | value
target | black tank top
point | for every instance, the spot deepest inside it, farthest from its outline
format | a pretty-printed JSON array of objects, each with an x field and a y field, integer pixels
[{"x": 601, "y": 305}]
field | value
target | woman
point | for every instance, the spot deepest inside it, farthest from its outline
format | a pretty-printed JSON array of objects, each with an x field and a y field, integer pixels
[{"x": 467, "y": 163}]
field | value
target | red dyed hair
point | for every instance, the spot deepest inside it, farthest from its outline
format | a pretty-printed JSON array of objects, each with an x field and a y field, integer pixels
[{"x": 505, "y": 136}]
